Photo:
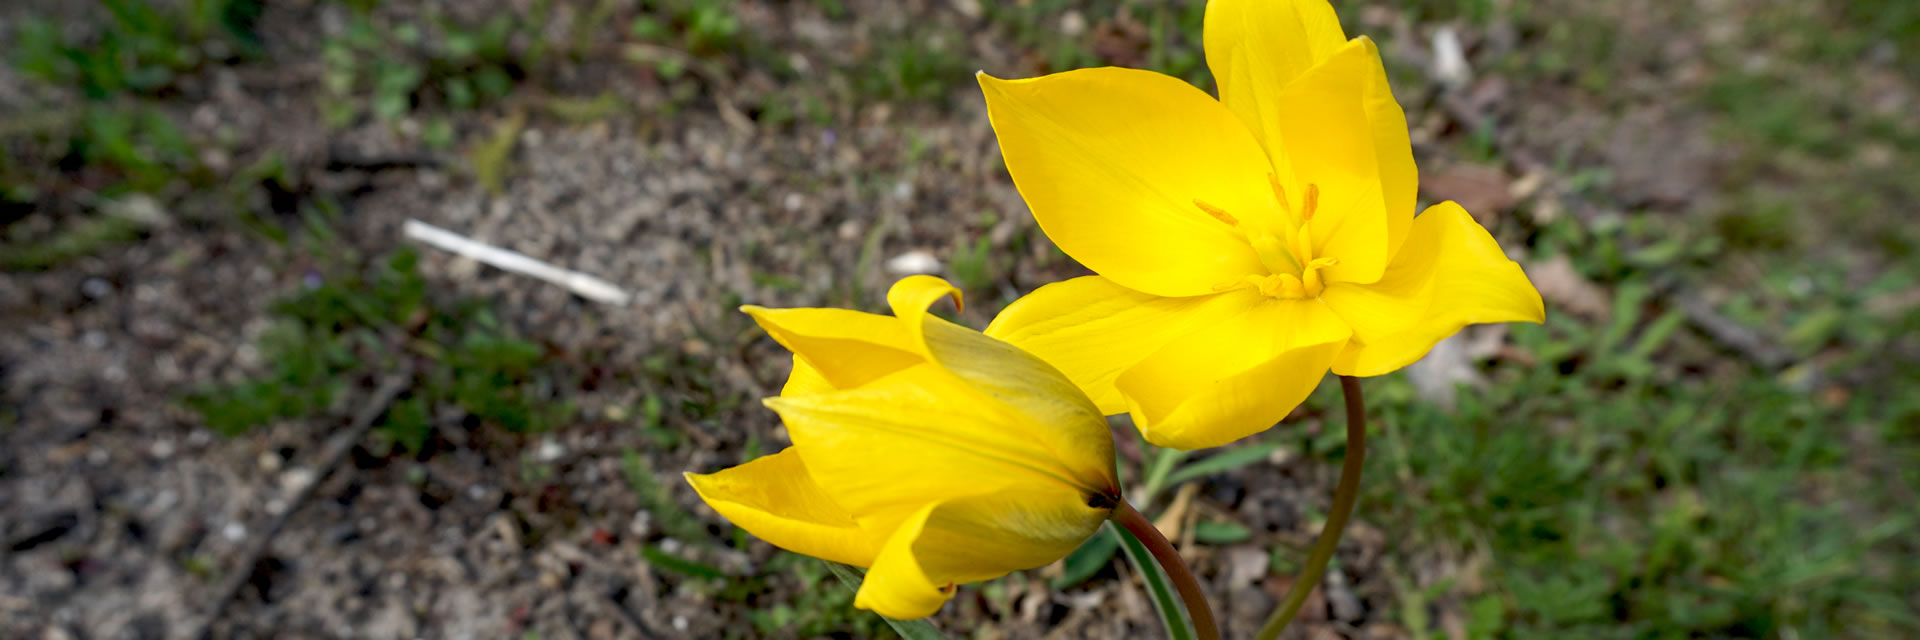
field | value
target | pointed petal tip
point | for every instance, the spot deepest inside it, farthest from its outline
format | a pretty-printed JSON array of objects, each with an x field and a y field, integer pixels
[
  {"x": 757, "y": 312},
  {"x": 698, "y": 481}
]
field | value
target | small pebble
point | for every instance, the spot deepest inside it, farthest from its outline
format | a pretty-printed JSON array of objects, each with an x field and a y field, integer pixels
[
  {"x": 550, "y": 450},
  {"x": 296, "y": 479},
  {"x": 96, "y": 288},
  {"x": 917, "y": 261},
  {"x": 641, "y": 524},
  {"x": 234, "y": 532}
]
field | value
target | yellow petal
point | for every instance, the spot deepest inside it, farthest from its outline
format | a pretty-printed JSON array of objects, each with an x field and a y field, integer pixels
[
  {"x": 1092, "y": 329},
  {"x": 846, "y": 348},
  {"x": 804, "y": 380},
  {"x": 1236, "y": 378},
  {"x": 911, "y": 296},
  {"x": 1111, "y": 161},
  {"x": 990, "y": 535},
  {"x": 774, "y": 498},
  {"x": 1256, "y": 47},
  {"x": 1346, "y": 136},
  {"x": 1037, "y": 399},
  {"x": 971, "y": 539},
  {"x": 896, "y": 586},
  {"x": 887, "y": 447},
  {"x": 1450, "y": 274}
]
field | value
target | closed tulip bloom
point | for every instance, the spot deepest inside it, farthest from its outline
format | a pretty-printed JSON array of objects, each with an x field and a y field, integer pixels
[
  {"x": 924, "y": 450},
  {"x": 1247, "y": 245}
]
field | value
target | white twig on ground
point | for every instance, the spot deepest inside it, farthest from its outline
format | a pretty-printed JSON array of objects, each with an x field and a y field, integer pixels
[{"x": 586, "y": 286}]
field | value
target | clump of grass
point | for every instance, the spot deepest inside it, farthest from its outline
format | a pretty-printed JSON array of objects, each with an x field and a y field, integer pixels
[
  {"x": 113, "y": 141},
  {"x": 388, "y": 71},
  {"x": 359, "y": 320},
  {"x": 701, "y": 27},
  {"x": 140, "y": 48}
]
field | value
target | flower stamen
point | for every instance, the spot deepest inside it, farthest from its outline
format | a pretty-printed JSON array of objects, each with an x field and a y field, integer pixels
[
  {"x": 1293, "y": 272},
  {"x": 1217, "y": 213},
  {"x": 1280, "y": 285},
  {"x": 1279, "y": 192}
]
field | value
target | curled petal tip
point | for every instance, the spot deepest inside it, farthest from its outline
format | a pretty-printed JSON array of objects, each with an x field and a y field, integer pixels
[{"x": 915, "y": 293}]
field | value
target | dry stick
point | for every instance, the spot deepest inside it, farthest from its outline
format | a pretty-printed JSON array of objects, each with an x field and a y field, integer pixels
[
  {"x": 329, "y": 458},
  {"x": 627, "y": 615},
  {"x": 1175, "y": 566},
  {"x": 1344, "y": 497}
]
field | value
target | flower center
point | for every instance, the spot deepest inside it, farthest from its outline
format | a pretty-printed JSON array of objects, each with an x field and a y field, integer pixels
[{"x": 1293, "y": 273}]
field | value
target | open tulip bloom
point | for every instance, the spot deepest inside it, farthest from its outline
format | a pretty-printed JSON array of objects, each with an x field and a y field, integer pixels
[{"x": 1245, "y": 245}]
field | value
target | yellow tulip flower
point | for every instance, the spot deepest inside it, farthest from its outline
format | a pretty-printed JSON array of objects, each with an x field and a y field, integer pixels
[
  {"x": 1245, "y": 245},
  {"x": 925, "y": 450}
]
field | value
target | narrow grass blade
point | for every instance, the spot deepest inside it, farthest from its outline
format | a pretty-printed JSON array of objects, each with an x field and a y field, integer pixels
[
  {"x": 1166, "y": 601},
  {"x": 1221, "y": 462}
]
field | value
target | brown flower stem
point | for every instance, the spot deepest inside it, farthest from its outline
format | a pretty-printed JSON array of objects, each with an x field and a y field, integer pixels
[
  {"x": 1344, "y": 497},
  {"x": 1175, "y": 566}
]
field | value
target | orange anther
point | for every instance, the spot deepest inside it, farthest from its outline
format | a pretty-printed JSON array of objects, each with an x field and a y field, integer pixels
[
  {"x": 1313, "y": 201},
  {"x": 1217, "y": 212}
]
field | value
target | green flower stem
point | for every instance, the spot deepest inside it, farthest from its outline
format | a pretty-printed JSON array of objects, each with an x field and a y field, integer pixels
[
  {"x": 1344, "y": 497},
  {"x": 1163, "y": 552}
]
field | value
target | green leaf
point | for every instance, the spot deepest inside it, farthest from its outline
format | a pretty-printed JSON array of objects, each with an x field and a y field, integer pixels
[
  {"x": 1160, "y": 590},
  {"x": 908, "y": 629},
  {"x": 490, "y": 158},
  {"x": 1092, "y": 556},
  {"x": 1158, "y": 471},
  {"x": 1222, "y": 462},
  {"x": 663, "y": 559},
  {"x": 1210, "y": 532}
]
